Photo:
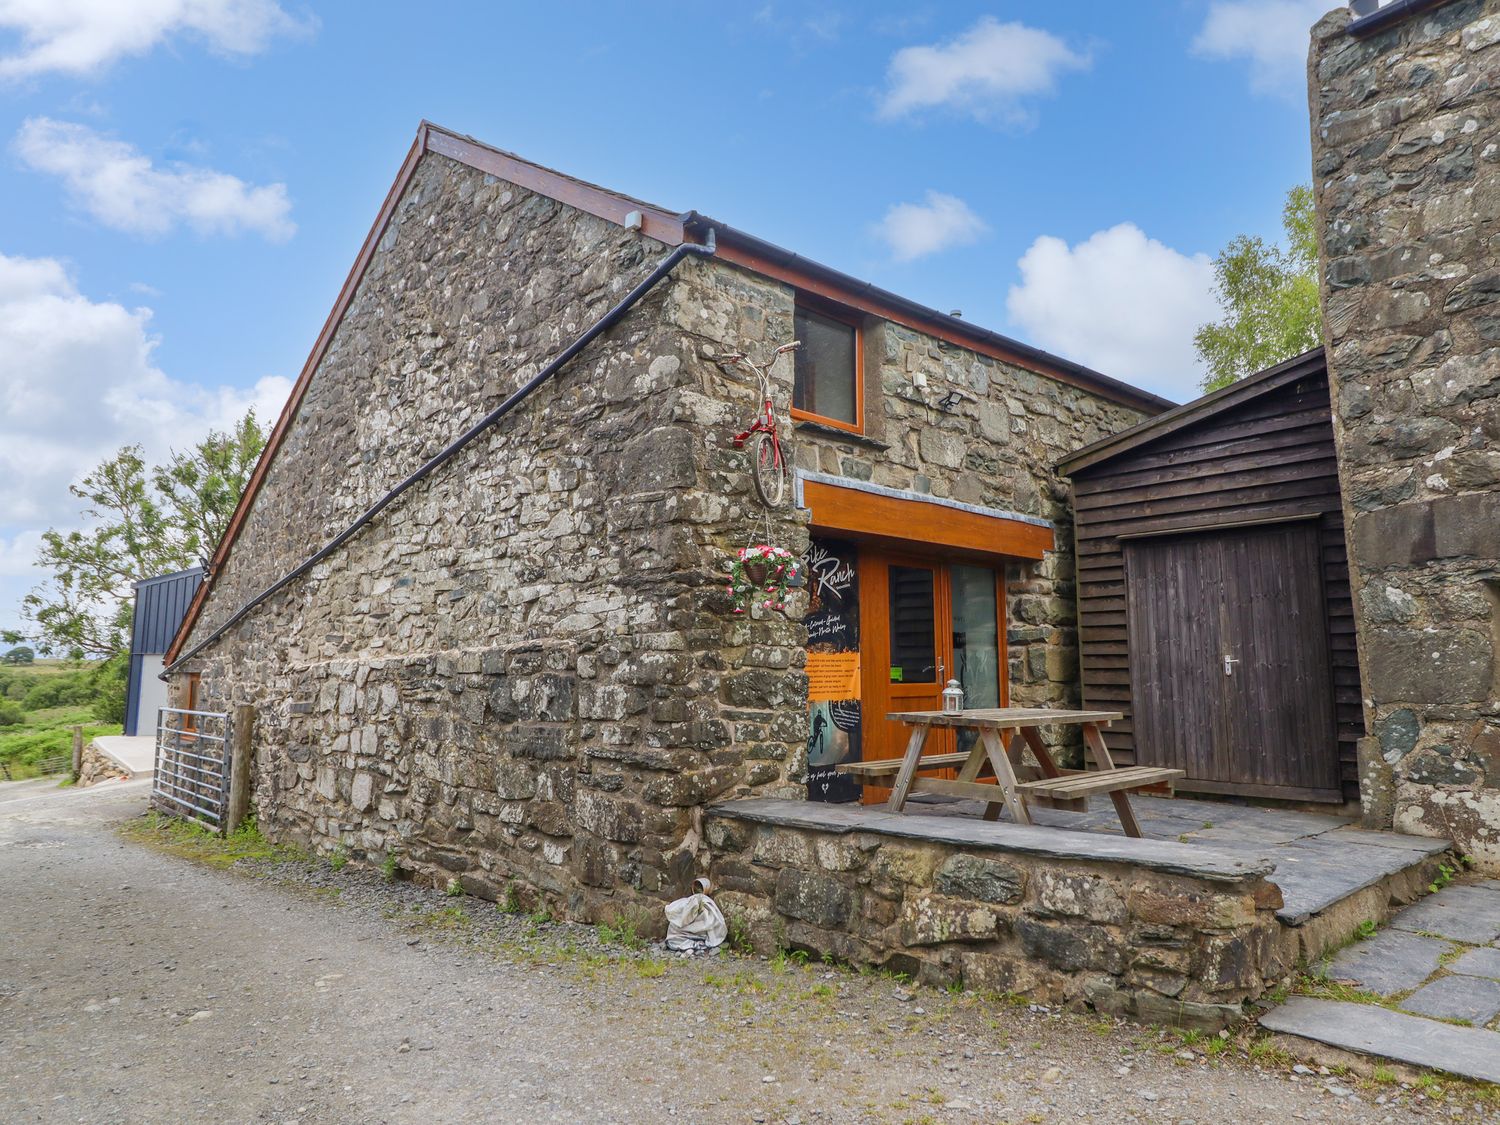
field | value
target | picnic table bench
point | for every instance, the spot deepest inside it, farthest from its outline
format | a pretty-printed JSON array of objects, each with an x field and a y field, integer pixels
[{"x": 1002, "y": 733}]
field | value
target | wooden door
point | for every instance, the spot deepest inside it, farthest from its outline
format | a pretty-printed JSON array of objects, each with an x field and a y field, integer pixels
[
  {"x": 1229, "y": 665},
  {"x": 924, "y": 621}
]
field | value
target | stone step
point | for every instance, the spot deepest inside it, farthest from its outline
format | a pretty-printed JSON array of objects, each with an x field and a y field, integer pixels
[
  {"x": 1334, "y": 881},
  {"x": 1367, "y": 1029}
]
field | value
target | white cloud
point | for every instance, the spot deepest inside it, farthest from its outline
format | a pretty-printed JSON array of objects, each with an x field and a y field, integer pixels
[
  {"x": 120, "y": 187},
  {"x": 986, "y": 72},
  {"x": 1119, "y": 302},
  {"x": 913, "y": 230},
  {"x": 1273, "y": 35},
  {"x": 17, "y": 560},
  {"x": 81, "y": 36},
  {"x": 77, "y": 381}
]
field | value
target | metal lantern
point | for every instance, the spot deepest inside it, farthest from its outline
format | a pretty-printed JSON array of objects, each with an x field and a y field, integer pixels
[{"x": 953, "y": 698}]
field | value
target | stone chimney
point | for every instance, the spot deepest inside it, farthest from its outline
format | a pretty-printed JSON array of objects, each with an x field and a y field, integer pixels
[{"x": 1406, "y": 170}]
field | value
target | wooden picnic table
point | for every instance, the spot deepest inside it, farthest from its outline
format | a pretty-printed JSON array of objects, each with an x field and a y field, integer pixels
[{"x": 1002, "y": 734}]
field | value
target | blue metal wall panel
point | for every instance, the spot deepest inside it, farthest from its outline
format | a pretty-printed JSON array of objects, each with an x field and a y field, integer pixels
[
  {"x": 133, "y": 694},
  {"x": 160, "y": 605}
]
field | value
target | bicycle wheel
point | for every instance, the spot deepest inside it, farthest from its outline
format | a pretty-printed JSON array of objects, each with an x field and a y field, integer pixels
[{"x": 769, "y": 469}]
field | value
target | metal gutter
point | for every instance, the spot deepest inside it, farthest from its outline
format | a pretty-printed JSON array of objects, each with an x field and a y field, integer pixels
[{"x": 1371, "y": 16}]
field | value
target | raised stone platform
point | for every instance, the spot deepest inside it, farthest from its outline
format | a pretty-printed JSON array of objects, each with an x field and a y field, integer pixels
[
  {"x": 1318, "y": 860},
  {"x": 132, "y": 753},
  {"x": 1214, "y": 907}
]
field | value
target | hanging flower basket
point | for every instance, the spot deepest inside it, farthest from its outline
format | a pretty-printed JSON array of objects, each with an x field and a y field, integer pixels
[{"x": 761, "y": 575}]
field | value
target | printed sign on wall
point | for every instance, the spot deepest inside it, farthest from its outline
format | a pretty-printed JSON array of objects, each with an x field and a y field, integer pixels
[{"x": 832, "y": 669}]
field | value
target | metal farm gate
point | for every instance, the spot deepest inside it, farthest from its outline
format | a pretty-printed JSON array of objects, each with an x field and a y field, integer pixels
[{"x": 193, "y": 765}]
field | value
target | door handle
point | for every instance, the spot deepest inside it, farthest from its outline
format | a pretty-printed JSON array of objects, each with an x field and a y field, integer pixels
[
  {"x": 1229, "y": 663},
  {"x": 942, "y": 676}
]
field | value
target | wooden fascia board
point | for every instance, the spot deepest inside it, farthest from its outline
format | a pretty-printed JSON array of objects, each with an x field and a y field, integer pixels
[
  {"x": 916, "y": 522},
  {"x": 1190, "y": 414},
  {"x": 664, "y": 226}
]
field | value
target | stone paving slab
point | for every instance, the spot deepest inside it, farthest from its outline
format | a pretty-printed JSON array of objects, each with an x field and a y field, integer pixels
[
  {"x": 1478, "y": 963},
  {"x": 1418, "y": 845},
  {"x": 1316, "y": 872},
  {"x": 1468, "y": 913},
  {"x": 1470, "y": 1052},
  {"x": 1390, "y": 962},
  {"x": 136, "y": 753},
  {"x": 1457, "y": 998}
]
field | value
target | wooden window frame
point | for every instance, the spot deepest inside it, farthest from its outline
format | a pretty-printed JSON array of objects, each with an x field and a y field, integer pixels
[{"x": 853, "y": 320}]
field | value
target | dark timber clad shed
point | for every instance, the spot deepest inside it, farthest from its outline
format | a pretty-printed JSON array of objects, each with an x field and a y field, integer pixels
[
  {"x": 1213, "y": 591},
  {"x": 160, "y": 605}
]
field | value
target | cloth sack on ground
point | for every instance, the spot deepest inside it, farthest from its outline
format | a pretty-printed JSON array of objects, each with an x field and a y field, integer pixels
[{"x": 695, "y": 922}]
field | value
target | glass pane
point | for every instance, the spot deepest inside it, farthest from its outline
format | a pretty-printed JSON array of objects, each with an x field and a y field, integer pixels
[
  {"x": 824, "y": 382},
  {"x": 976, "y": 635},
  {"x": 913, "y": 637},
  {"x": 976, "y": 641}
]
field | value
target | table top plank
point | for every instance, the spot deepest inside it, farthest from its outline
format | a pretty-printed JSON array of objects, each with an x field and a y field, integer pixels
[{"x": 1004, "y": 718}]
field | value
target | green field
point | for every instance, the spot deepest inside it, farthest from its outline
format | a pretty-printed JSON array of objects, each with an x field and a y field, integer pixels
[
  {"x": 40, "y": 703},
  {"x": 45, "y": 734},
  {"x": 44, "y": 666}
]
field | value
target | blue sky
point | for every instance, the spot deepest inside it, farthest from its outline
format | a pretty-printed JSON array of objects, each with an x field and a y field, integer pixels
[{"x": 186, "y": 182}]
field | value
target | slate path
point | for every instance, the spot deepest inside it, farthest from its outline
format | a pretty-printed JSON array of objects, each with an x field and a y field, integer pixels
[{"x": 1438, "y": 961}]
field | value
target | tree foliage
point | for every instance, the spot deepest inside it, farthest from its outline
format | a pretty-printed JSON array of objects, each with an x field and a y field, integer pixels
[
  {"x": 1269, "y": 297},
  {"x": 139, "y": 521},
  {"x": 21, "y": 654}
]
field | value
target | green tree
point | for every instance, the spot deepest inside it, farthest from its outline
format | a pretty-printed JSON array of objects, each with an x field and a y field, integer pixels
[
  {"x": 21, "y": 654},
  {"x": 140, "y": 521},
  {"x": 1269, "y": 297}
]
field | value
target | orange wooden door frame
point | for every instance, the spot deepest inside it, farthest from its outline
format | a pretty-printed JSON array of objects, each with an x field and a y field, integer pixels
[{"x": 880, "y": 738}]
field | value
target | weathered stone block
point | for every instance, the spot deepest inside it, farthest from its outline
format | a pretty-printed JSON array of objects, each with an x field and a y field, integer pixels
[
  {"x": 929, "y": 920},
  {"x": 608, "y": 817},
  {"x": 1076, "y": 896},
  {"x": 1205, "y": 911},
  {"x": 819, "y": 899},
  {"x": 1430, "y": 666},
  {"x": 984, "y": 880},
  {"x": 1071, "y": 948}
]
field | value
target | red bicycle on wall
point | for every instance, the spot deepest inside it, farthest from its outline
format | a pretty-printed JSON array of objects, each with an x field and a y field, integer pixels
[{"x": 770, "y": 460}]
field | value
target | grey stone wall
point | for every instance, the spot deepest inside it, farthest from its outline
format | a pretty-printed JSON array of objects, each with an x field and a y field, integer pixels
[
  {"x": 526, "y": 668},
  {"x": 1406, "y": 140}
]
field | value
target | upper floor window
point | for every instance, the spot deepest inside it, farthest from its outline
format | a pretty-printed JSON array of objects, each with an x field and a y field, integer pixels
[{"x": 827, "y": 385}]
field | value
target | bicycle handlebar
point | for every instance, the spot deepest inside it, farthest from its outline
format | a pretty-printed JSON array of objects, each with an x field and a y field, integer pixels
[{"x": 760, "y": 368}]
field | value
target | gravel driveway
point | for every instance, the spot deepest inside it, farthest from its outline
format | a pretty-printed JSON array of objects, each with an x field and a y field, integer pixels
[{"x": 140, "y": 986}]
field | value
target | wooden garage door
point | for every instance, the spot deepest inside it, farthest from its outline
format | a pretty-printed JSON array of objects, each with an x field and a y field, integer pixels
[{"x": 1229, "y": 664}]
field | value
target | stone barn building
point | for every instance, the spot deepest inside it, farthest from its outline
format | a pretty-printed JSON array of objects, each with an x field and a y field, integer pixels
[{"x": 527, "y": 666}]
